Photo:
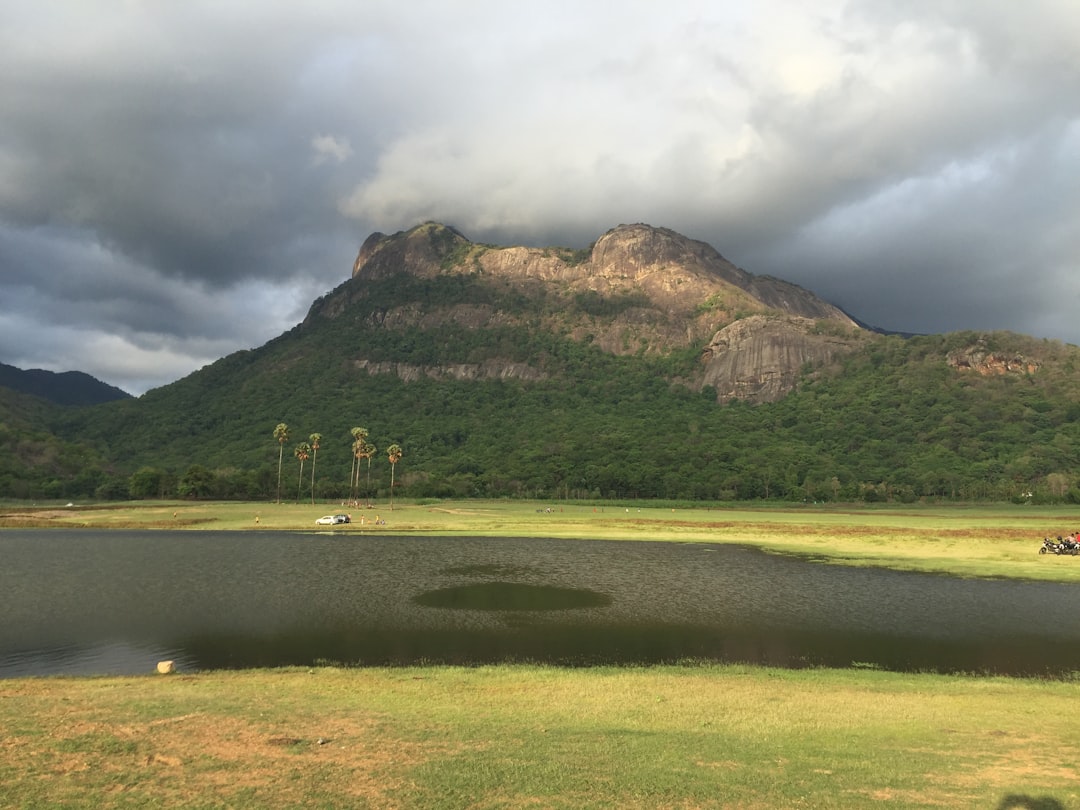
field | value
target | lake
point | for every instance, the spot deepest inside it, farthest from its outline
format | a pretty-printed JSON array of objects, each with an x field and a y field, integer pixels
[{"x": 117, "y": 602}]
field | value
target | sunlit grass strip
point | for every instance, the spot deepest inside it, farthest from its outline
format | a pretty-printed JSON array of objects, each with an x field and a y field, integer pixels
[
  {"x": 517, "y": 736},
  {"x": 992, "y": 541}
]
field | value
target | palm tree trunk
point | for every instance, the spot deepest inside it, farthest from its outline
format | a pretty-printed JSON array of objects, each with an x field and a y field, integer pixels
[
  {"x": 300, "y": 483},
  {"x": 314, "y": 455},
  {"x": 280, "y": 451}
]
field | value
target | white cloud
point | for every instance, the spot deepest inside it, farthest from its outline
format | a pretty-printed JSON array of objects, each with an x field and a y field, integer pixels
[{"x": 328, "y": 148}]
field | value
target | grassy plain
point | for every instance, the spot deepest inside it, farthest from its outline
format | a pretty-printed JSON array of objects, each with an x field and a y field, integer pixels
[
  {"x": 977, "y": 541},
  {"x": 694, "y": 736},
  {"x": 516, "y": 736}
]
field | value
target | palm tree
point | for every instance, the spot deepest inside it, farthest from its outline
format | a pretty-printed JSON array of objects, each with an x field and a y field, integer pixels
[
  {"x": 281, "y": 434},
  {"x": 368, "y": 451},
  {"x": 302, "y": 452},
  {"x": 314, "y": 438},
  {"x": 354, "y": 474},
  {"x": 359, "y": 434},
  {"x": 393, "y": 455}
]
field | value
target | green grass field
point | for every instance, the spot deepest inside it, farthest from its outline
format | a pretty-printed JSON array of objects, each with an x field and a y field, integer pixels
[{"x": 517, "y": 736}]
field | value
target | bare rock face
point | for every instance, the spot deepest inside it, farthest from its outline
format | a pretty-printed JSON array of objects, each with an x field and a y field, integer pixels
[
  {"x": 421, "y": 252},
  {"x": 760, "y": 358},
  {"x": 979, "y": 360},
  {"x": 684, "y": 272},
  {"x": 670, "y": 292},
  {"x": 489, "y": 370},
  {"x": 677, "y": 273}
]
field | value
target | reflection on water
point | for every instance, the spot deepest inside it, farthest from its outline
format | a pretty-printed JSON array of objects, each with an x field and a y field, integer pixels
[
  {"x": 511, "y": 596},
  {"x": 86, "y": 602}
]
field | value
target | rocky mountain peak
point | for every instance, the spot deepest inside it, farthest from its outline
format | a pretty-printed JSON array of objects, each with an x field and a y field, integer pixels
[
  {"x": 678, "y": 272},
  {"x": 643, "y": 249},
  {"x": 425, "y": 250},
  {"x": 638, "y": 286}
]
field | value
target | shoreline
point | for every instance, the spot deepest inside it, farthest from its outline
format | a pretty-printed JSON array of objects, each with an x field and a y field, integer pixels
[{"x": 993, "y": 541}]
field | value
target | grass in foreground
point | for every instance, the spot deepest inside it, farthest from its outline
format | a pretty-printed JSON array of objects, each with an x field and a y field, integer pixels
[
  {"x": 980, "y": 541},
  {"x": 520, "y": 736}
]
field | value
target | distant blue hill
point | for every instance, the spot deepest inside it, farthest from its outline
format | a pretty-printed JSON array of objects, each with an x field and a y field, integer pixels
[{"x": 73, "y": 388}]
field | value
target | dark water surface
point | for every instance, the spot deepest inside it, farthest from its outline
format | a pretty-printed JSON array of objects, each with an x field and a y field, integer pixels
[{"x": 117, "y": 602}]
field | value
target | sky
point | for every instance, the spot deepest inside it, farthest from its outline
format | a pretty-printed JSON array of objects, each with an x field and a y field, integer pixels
[{"x": 180, "y": 180}]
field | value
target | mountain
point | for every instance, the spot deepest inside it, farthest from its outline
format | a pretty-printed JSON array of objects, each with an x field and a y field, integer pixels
[
  {"x": 646, "y": 365},
  {"x": 62, "y": 388},
  {"x": 638, "y": 290}
]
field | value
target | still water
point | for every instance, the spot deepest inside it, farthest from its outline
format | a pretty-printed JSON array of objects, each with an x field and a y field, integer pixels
[{"x": 117, "y": 602}]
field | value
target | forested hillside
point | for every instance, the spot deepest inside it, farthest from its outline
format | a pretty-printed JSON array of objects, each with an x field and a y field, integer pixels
[
  {"x": 500, "y": 386},
  {"x": 62, "y": 388},
  {"x": 34, "y": 461},
  {"x": 893, "y": 421}
]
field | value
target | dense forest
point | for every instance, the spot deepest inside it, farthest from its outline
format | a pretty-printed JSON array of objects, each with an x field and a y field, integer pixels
[{"x": 893, "y": 421}]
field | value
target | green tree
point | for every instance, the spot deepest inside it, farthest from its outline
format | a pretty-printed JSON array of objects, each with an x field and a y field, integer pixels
[
  {"x": 146, "y": 482},
  {"x": 1058, "y": 484},
  {"x": 393, "y": 455},
  {"x": 359, "y": 436},
  {"x": 281, "y": 435},
  {"x": 314, "y": 438},
  {"x": 196, "y": 482},
  {"x": 303, "y": 453}
]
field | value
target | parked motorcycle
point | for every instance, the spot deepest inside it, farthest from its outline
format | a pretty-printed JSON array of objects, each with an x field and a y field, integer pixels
[{"x": 1059, "y": 547}]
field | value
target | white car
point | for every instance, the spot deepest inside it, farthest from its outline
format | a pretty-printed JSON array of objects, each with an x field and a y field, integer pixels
[{"x": 332, "y": 520}]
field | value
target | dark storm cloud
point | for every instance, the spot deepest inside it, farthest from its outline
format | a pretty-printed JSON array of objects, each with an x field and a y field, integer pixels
[
  {"x": 168, "y": 179},
  {"x": 179, "y": 180},
  {"x": 978, "y": 246},
  {"x": 191, "y": 162}
]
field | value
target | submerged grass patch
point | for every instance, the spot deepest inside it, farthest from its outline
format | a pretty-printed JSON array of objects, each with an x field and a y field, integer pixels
[{"x": 523, "y": 736}]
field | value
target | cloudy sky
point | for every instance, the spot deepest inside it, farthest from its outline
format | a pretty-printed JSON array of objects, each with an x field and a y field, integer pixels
[{"x": 179, "y": 180}]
